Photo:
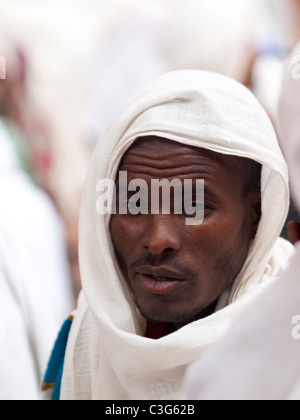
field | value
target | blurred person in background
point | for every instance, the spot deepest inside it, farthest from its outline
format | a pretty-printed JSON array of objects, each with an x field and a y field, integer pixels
[
  {"x": 151, "y": 37},
  {"x": 36, "y": 292},
  {"x": 259, "y": 357},
  {"x": 213, "y": 35},
  {"x": 57, "y": 39},
  {"x": 127, "y": 56},
  {"x": 275, "y": 41},
  {"x": 27, "y": 131}
]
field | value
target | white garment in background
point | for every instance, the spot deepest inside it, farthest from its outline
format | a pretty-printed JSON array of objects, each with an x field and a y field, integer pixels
[
  {"x": 36, "y": 292},
  {"x": 259, "y": 359},
  {"x": 213, "y": 35},
  {"x": 107, "y": 355},
  {"x": 128, "y": 56}
]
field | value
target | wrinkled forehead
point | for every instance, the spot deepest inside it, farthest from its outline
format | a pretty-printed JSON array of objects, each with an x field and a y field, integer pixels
[{"x": 165, "y": 154}]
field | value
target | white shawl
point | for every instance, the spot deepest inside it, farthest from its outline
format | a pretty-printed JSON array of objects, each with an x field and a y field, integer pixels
[
  {"x": 107, "y": 355},
  {"x": 259, "y": 359}
]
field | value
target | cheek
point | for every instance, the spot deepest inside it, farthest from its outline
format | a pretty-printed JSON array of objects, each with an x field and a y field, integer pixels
[
  {"x": 214, "y": 234},
  {"x": 230, "y": 227},
  {"x": 222, "y": 246},
  {"x": 125, "y": 235}
]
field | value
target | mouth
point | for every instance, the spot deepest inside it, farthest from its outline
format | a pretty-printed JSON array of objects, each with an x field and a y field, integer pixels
[{"x": 160, "y": 281}]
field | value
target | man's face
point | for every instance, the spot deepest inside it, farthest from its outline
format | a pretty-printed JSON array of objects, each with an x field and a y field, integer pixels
[{"x": 177, "y": 272}]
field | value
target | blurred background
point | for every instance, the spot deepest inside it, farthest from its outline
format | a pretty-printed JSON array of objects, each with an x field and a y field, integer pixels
[{"x": 69, "y": 67}]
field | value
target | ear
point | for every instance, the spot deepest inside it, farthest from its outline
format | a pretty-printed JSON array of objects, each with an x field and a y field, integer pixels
[{"x": 255, "y": 209}]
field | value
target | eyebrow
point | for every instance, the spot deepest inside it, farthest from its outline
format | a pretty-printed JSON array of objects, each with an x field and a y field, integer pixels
[{"x": 208, "y": 192}]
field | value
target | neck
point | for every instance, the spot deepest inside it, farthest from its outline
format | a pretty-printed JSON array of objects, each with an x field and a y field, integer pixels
[{"x": 209, "y": 310}]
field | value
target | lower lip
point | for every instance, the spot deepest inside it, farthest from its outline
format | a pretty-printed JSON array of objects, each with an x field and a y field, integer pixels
[{"x": 159, "y": 287}]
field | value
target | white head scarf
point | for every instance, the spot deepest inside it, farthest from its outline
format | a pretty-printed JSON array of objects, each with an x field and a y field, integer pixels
[
  {"x": 107, "y": 355},
  {"x": 259, "y": 358}
]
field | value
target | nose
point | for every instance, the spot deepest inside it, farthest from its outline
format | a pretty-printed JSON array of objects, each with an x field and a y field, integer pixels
[{"x": 161, "y": 236}]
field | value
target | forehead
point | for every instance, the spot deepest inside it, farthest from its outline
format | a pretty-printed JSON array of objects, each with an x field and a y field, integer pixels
[{"x": 163, "y": 158}]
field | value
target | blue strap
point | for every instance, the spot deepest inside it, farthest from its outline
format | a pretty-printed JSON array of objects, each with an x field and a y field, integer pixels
[{"x": 53, "y": 376}]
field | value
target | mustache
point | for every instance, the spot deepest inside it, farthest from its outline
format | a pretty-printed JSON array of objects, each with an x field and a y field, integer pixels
[{"x": 167, "y": 262}]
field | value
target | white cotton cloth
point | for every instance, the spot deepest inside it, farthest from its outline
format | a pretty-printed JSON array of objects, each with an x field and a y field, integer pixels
[
  {"x": 107, "y": 356},
  {"x": 36, "y": 292},
  {"x": 27, "y": 325},
  {"x": 259, "y": 358}
]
